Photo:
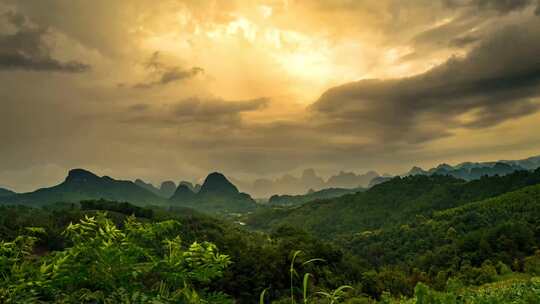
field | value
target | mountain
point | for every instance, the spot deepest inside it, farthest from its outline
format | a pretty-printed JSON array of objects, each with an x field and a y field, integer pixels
[
  {"x": 416, "y": 171},
  {"x": 291, "y": 200},
  {"x": 351, "y": 180},
  {"x": 397, "y": 200},
  {"x": 195, "y": 188},
  {"x": 84, "y": 185},
  {"x": 379, "y": 180},
  {"x": 471, "y": 170},
  {"x": 166, "y": 190},
  {"x": 530, "y": 163},
  {"x": 217, "y": 195},
  {"x": 291, "y": 185},
  {"x": 310, "y": 179},
  {"x": 5, "y": 192},
  {"x": 147, "y": 186},
  {"x": 183, "y": 194},
  {"x": 217, "y": 184}
]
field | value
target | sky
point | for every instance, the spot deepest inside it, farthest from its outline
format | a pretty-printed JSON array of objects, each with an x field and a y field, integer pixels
[{"x": 175, "y": 89}]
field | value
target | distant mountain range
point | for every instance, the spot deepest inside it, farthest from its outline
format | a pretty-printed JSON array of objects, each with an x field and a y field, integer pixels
[
  {"x": 219, "y": 195},
  {"x": 289, "y": 185},
  {"x": 470, "y": 171},
  {"x": 309, "y": 180},
  {"x": 216, "y": 195}
]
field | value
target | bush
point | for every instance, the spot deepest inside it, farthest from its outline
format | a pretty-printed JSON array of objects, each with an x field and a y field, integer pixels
[{"x": 142, "y": 262}]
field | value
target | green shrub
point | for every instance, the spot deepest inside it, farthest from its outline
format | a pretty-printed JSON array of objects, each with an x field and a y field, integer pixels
[{"x": 141, "y": 263}]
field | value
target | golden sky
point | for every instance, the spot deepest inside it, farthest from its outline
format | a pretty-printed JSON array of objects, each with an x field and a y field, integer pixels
[{"x": 174, "y": 89}]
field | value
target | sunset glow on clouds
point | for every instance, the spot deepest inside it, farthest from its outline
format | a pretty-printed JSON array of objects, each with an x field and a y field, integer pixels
[{"x": 175, "y": 89}]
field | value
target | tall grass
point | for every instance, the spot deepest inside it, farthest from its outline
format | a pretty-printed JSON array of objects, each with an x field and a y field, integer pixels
[{"x": 332, "y": 297}]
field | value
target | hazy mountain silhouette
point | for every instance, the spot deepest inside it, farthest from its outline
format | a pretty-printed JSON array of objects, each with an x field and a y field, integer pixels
[
  {"x": 531, "y": 163},
  {"x": 166, "y": 190},
  {"x": 471, "y": 170},
  {"x": 351, "y": 179},
  {"x": 379, "y": 180},
  {"x": 416, "y": 171},
  {"x": 195, "y": 188},
  {"x": 291, "y": 185},
  {"x": 148, "y": 186},
  {"x": 80, "y": 185}
]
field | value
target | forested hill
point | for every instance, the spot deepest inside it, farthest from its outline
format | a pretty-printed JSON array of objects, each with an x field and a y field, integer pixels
[
  {"x": 499, "y": 229},
  {"x": 216, "y": 196},
  {"x": 6, "y": 192},
  {"x": 471, "y": 244},
  {"x": 289, "y": 200},
  {"x": 397, "y": 200},
  {"x": 83, "y": 185}
]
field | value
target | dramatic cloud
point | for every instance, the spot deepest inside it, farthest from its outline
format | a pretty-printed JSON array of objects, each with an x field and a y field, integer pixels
[
  {"x": 26, "y": 49},
  {"x": 214, "y": 109},
  {"x": 346, "y": 85},
  {"x": 163, "y": 74},
  {"x": 463, "y": 41},
  {"x": 501, "y": 6},
  {"x": 195, "y": 111},
  {"x": 497, "y": 81}
]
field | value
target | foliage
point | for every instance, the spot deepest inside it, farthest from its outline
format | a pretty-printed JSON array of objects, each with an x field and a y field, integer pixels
[
  {"x": 511, "y": 291},
  {"x": 146, "y": 262},
  {"x": 435, "y": 238},
  {"x": 124, "y": 207}
]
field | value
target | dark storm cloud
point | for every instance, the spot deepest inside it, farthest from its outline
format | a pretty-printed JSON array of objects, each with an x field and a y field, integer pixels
[
  {"x": 213, "y": 108},
  {"x": 468, "y": 22},
  {"x": 463, "y": 41},
  {"x": 195, "y": 112},
  {"x": 26, "y": 50},
  {"x": 501, "y": 6},
  {"x": 453, "y": 34},
  {"x": 497, "y": 81},
  {"x": 170, "y": 75},
  {"x": 163, "y": 74}
]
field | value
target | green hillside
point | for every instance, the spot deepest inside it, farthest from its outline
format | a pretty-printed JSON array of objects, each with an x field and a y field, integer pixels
[
  {"x": 463, "y": 242},
  {"x": 398, "y": 200},
  {"x": 291, "y": 200}
]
